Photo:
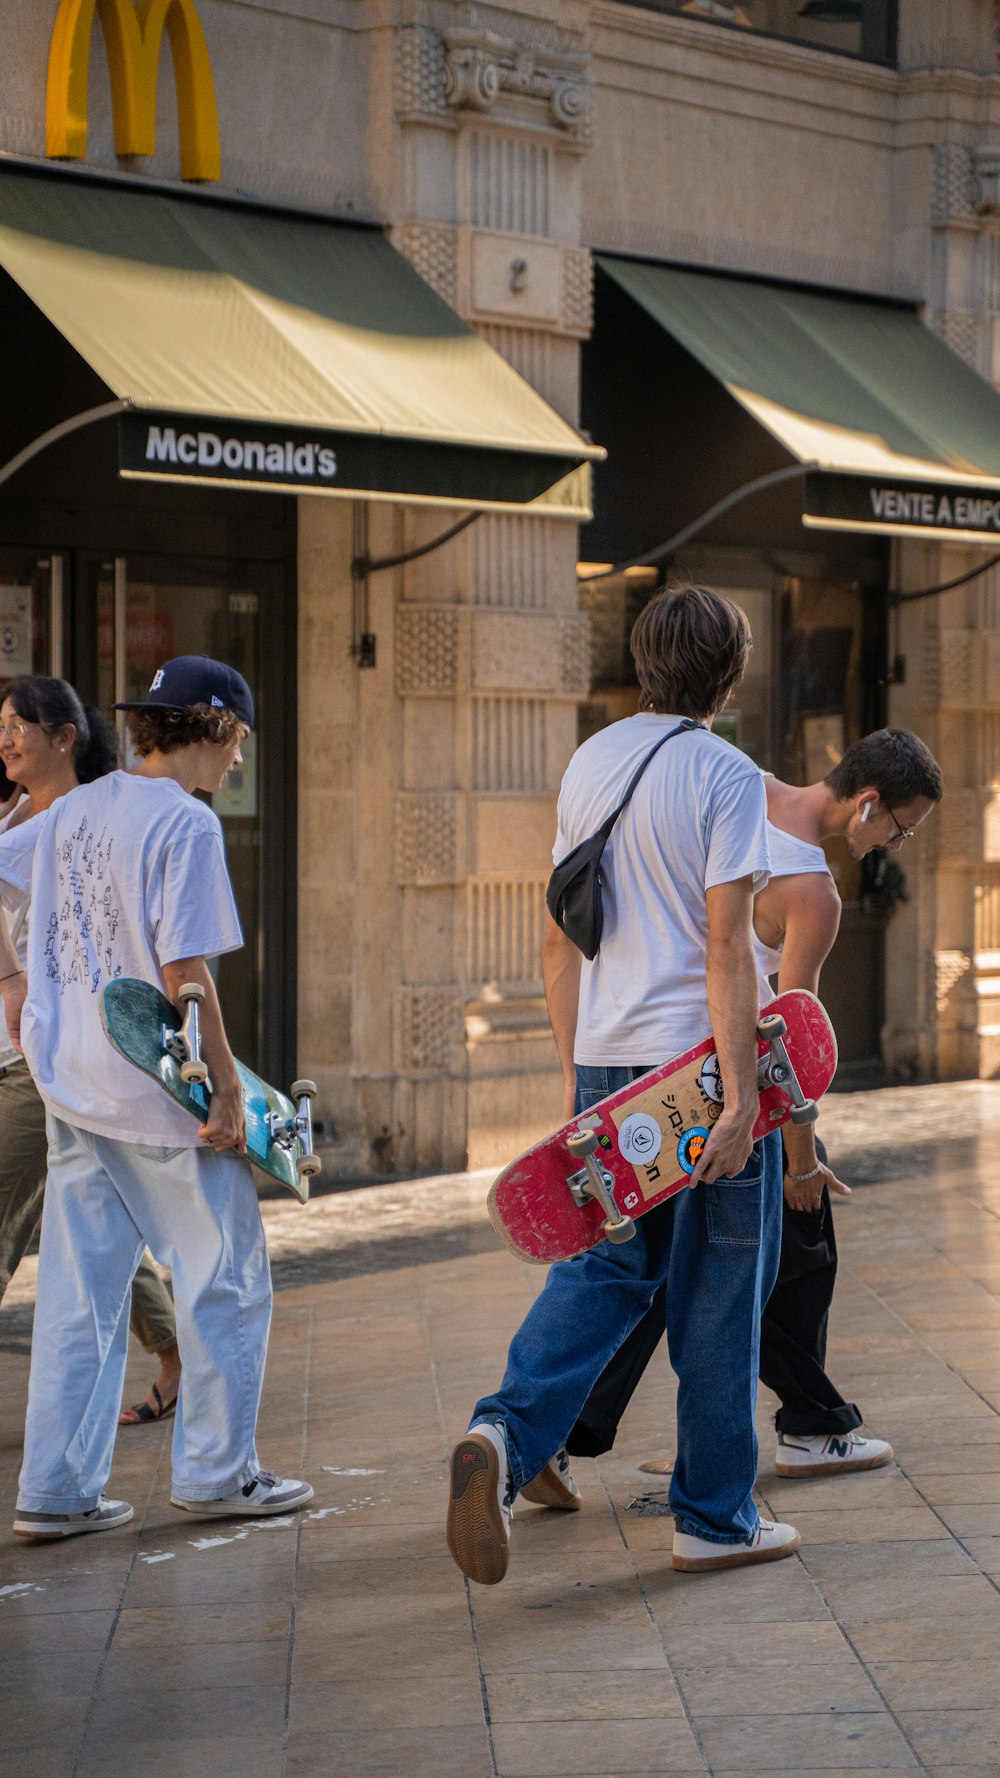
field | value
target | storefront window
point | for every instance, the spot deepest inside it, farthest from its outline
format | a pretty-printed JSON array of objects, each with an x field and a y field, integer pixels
[{"x": 865, "y": 28}]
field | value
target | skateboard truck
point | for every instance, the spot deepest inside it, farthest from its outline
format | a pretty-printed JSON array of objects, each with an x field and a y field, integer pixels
[
  {"x": 284, "y": 1130},
  {"x": 185, "y": 1045},
  {"x": 594, "y": 1182},
  {"x": 776, "y": 1070}
]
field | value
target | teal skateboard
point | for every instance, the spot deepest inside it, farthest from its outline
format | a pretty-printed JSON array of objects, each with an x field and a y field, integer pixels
[{"x": 149, "y": 1032}]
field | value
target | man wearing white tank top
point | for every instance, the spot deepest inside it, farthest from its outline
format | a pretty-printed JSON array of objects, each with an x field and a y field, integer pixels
[{"x": 878, "y": 794}]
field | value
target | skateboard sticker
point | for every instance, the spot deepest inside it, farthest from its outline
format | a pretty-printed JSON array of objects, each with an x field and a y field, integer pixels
[
  {"x": 711, "y": 1079},
  {"x": 640, "y": 1138},
  {"x": 689, "y": 1148}
]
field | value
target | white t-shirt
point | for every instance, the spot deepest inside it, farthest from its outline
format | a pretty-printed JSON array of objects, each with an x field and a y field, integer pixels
[
  {"x": 125, "y": 875},
  {"x": 698, "y": 818},
  {"x": 18, "y": 924}
]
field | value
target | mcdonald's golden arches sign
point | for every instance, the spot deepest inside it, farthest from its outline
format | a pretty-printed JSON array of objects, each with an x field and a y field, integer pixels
[{"x": 133, "y": 41}]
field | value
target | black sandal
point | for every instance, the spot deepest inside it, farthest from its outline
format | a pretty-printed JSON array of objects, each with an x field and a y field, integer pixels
[{"x": 145, "y": 1414}]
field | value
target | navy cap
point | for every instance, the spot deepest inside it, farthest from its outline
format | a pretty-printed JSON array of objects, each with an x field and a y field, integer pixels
[{"x": 192, "y": 679}]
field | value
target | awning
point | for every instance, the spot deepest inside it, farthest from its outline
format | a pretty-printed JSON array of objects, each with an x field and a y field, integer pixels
[
  {"x": 278, "y": 351},
  {"x": 899, "y": 435}
]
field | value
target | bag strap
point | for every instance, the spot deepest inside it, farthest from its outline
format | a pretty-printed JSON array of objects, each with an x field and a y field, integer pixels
[{"x": 688, "y": 723}]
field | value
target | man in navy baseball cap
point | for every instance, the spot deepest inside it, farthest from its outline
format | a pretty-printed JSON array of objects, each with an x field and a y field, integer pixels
[{"x": 192, "y": 679}]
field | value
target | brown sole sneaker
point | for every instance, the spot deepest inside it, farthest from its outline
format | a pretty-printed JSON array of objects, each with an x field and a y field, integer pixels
[
  {"x": 549, "y": 1489},
  {"x": 740, "y": 1558},
  {"x": 657, "y": 1466},
  {"x": 477, "y": 1536},
  {"x": 840, "y": 1466}
]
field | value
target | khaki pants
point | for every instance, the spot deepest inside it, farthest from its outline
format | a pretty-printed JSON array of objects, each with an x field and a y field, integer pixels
[{"x": 23, "y": 1152}]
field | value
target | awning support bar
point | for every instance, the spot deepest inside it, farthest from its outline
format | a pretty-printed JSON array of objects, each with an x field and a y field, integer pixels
[
  {"x": 663, "y": 550},
  {"x": 363, "y": 647},
  {"x": 365, "y": 565},
  {"x": 88, "y": 418}
]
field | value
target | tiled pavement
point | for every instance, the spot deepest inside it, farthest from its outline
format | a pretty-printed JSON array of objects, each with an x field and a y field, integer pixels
[{"x": 345, "y": 1643}]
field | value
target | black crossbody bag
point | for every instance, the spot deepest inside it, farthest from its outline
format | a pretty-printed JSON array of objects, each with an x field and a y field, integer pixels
[{"x": 573, "y": 895}]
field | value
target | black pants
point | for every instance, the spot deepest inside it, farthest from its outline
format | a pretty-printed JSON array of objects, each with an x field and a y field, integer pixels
[{"x": 793, "y": 1330}]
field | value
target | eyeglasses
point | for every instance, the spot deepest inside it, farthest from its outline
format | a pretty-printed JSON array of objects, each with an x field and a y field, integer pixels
[
  {"x": 901, "y": 833},
  {"x": 15, "y": 731}
]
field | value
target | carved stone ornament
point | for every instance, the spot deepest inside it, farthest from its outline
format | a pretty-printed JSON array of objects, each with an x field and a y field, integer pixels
[
  {"x": 481, "y": 66},
  {"x": 987, "y": 164}
]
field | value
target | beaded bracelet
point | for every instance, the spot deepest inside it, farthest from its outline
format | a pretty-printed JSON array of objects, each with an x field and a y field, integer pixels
[{"x": 800, "y": 1178}]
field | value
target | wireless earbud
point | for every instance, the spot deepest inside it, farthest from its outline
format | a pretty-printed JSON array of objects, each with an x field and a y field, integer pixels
[{"x": 866, "y": 811}]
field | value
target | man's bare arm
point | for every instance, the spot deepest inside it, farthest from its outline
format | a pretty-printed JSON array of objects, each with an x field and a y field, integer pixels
[
  {"x": 733, "y": 1001},
  {"x": 811, "y": 919},
  {"x": 226, "y": 1126},
  {"x": 561, "y": 963}
]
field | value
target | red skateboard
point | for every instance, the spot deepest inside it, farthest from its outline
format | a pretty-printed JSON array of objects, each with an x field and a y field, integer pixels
[{"x": 590, "y": 1181}]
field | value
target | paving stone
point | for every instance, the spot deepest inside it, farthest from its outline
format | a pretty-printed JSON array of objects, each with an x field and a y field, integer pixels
[
  {"x": 785, "y": 1690},
  {"x": 868, "y": 1742},
  {"x": 567, "y": 1749},
  {"x": 956, "y": 1736},
  {"x": 580, "y": 1697}
]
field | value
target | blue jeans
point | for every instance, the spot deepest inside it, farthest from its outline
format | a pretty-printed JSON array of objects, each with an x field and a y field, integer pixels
[{"x": 717, "y": 1249}]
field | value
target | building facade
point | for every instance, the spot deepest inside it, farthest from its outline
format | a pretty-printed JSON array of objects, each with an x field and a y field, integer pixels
[{"x": 393, "y": 845}]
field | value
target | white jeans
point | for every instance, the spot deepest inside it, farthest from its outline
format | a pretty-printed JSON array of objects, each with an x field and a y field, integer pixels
[{"x": 104, "y": 1202}]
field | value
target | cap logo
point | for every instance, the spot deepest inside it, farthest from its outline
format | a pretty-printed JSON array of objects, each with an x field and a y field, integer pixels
[
  {"x": 217, "y": 703},
  {"x": 157, "y": 679}
]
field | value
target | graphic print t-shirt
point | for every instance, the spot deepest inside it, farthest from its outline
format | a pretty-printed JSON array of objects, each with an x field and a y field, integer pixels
[{"x": 125, "y": 875}]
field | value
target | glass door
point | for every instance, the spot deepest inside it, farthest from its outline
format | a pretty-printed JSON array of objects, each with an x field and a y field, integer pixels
[{"x": 145, "y": 610}]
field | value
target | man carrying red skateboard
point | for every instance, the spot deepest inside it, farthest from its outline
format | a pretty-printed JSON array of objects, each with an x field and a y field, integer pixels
[
  {"x": 676, "y": 960},
  {"x": 127, "y": 876},
  {"x": 876, "y": 796}
]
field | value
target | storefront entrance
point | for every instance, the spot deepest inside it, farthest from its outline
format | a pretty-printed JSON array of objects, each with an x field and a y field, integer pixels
[{"x": 106, "y": 623}]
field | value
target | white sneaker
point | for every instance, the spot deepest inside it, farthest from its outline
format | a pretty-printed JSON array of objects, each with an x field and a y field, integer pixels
[
  {"x": 554, "y": 1486},
  {"x": 829, "y": 1453},
  {"x": 102, "y": 1517},
  {"x": 266, "y": 1494},
  {"x": 769, "y": 1543},
  {"x": 481, "y": 1504}
]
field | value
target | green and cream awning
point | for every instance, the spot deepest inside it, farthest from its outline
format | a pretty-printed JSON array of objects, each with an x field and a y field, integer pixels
[
  {"x": 267, "y": 349},
  {"x": 896, "y": 434}
]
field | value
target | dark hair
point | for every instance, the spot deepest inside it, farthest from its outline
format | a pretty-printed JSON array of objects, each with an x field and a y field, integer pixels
[
  {"x": 162, "y": 731},
  {"x": 690, "y": 647},
  {"x": 895, "y": 762},
  {"x": 52, "y": 703}
]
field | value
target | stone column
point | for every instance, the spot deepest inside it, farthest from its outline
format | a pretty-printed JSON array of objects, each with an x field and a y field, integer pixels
[{"x": 489, "y": 652}]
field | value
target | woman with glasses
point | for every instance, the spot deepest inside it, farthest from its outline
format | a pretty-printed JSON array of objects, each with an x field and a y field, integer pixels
[{"x": 49, "y": 744}]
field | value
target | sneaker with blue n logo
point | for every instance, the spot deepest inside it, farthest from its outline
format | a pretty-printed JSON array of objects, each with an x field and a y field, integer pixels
[{"x": 800, "y": 1455}]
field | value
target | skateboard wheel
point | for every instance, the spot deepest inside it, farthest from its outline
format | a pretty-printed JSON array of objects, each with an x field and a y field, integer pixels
[
  {"x": 805, "y": 1114},
  {"x": 194, "y": 1074},
  {"x": 191, "y": 991},
  {"x": 303, "y": 1089},
  {"x": 619, "y": 1231},
  {"x": 581, "y": 1144},
  {"x": 771, "y": 1026},
  {"x": 308, "y": 1165}
]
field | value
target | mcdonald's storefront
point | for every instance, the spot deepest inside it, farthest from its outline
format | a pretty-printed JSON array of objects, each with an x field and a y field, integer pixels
[
  {"x": 301, "y": 308},
  {"x": 222, "y": 420}
]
